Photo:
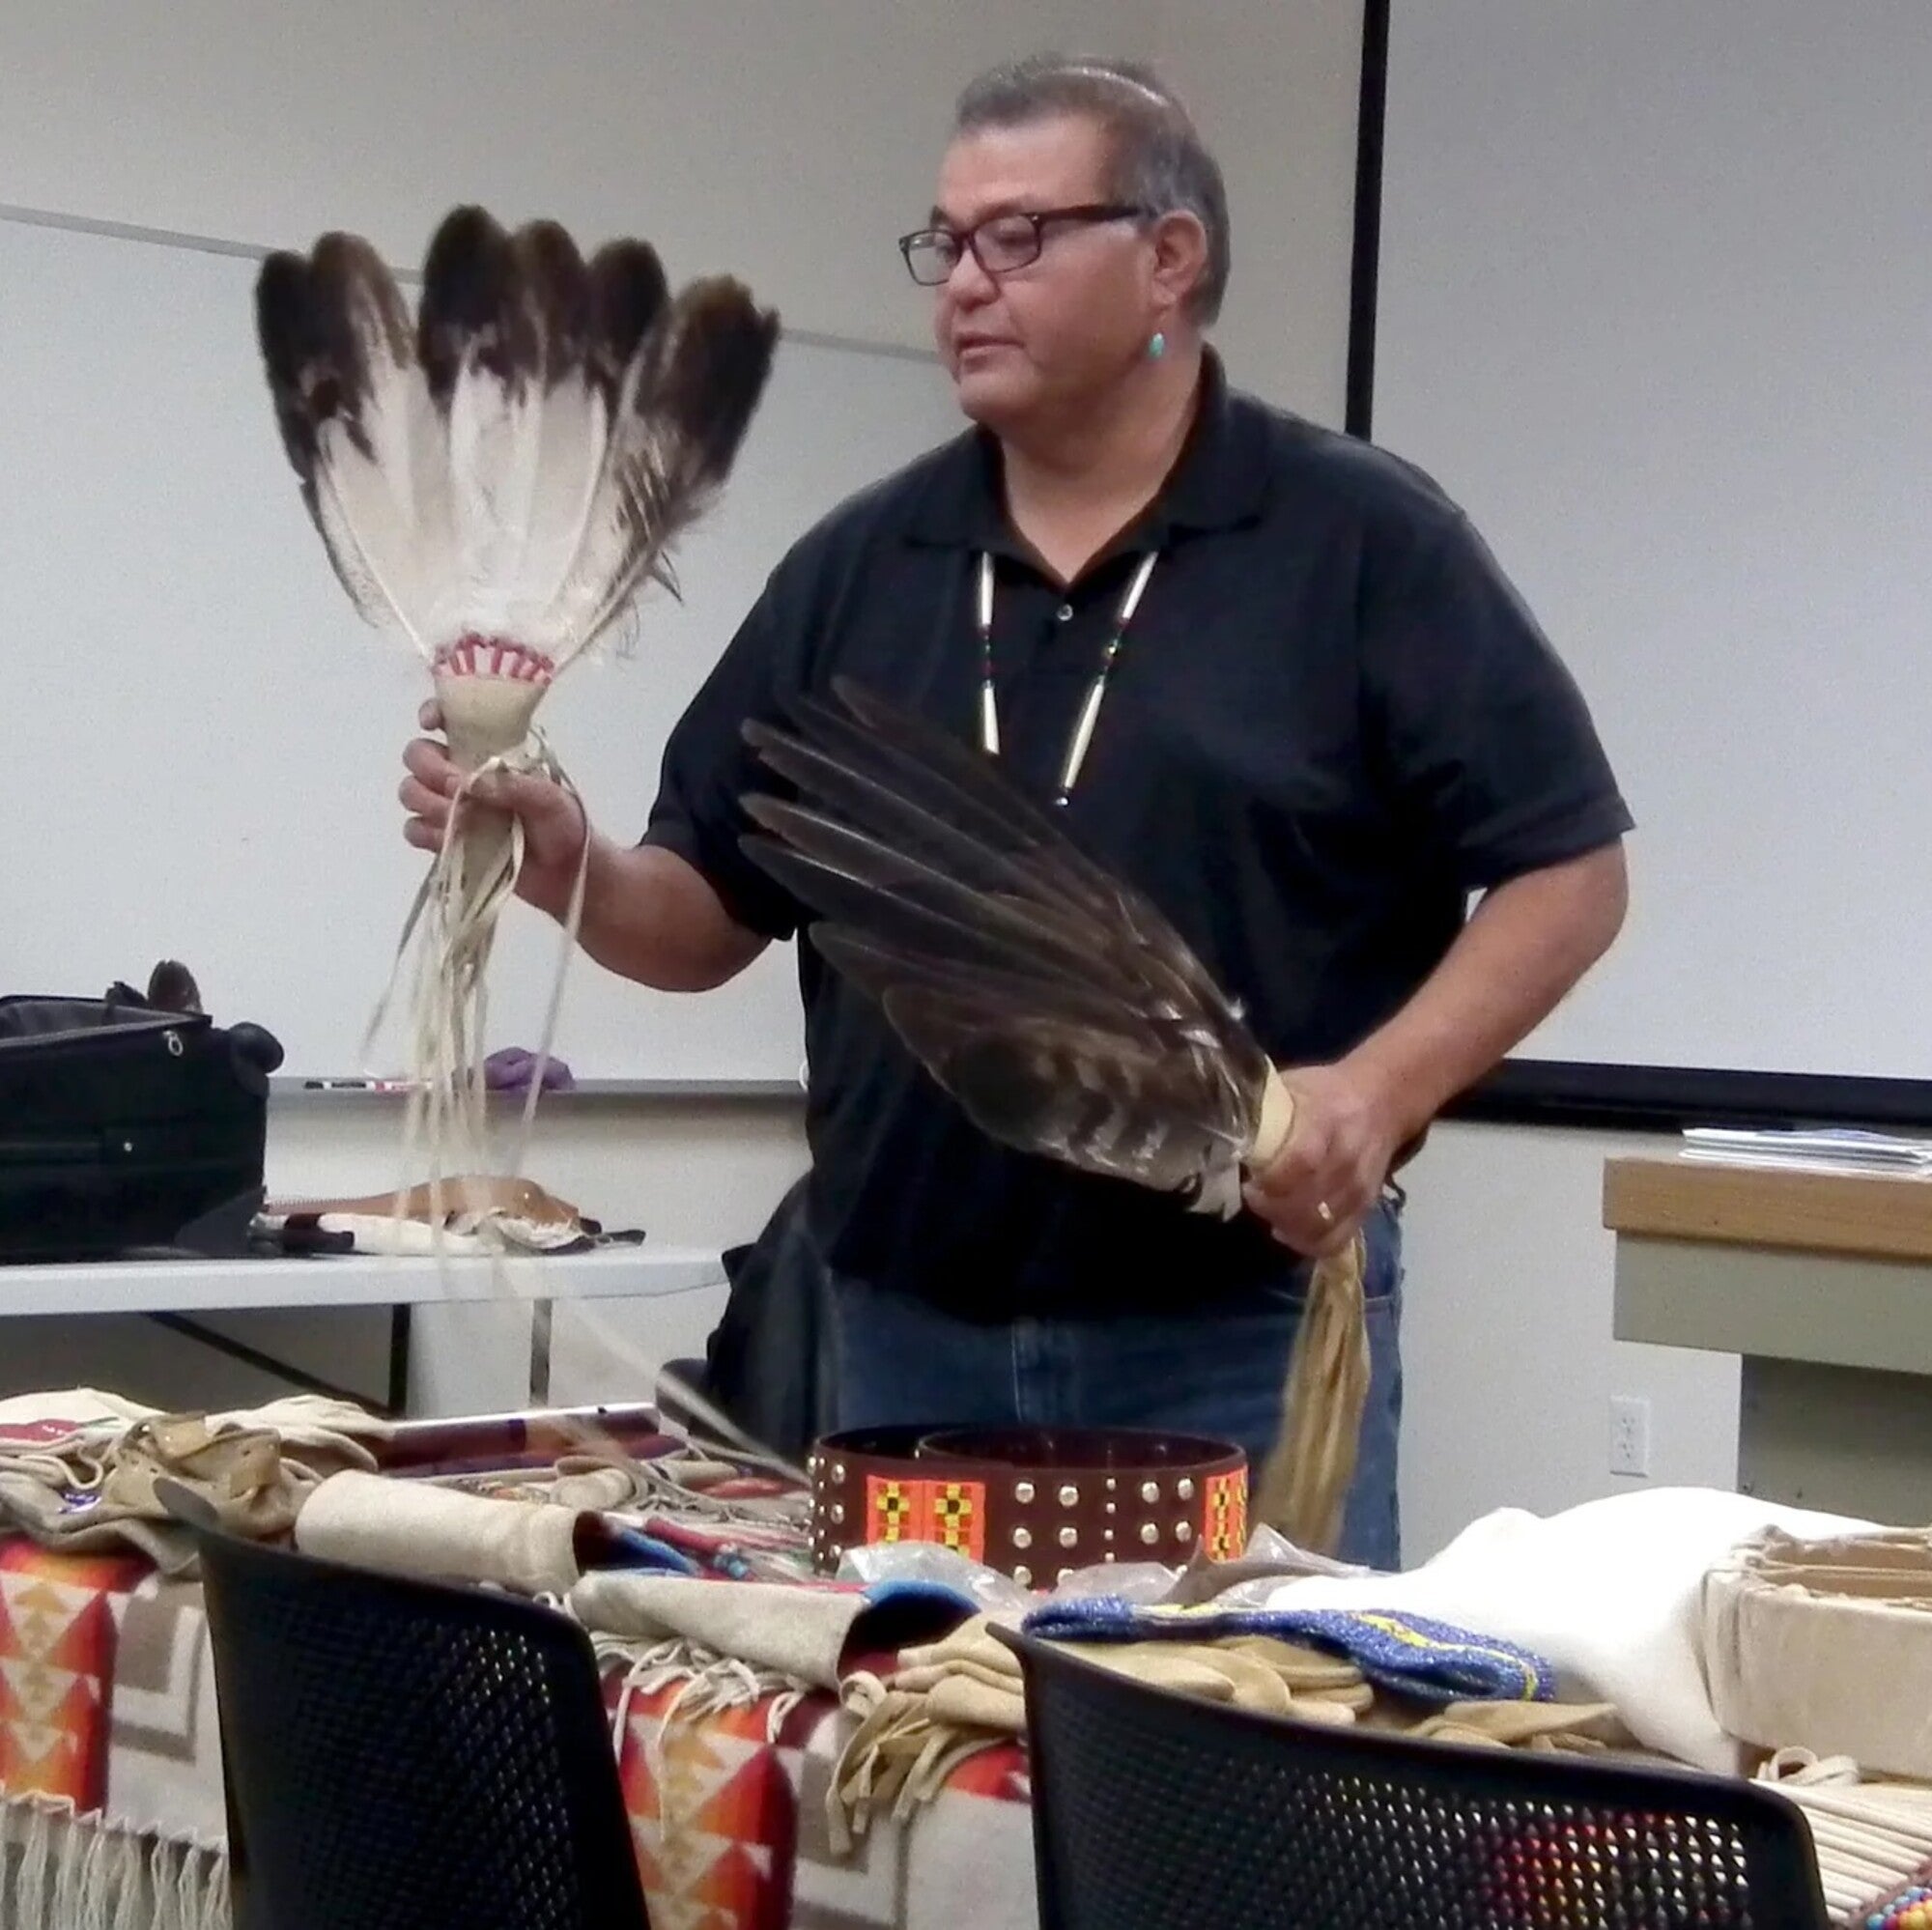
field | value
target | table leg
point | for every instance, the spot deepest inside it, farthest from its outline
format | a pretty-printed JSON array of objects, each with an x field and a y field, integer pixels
[
  {"x": 399, "y": 1362},
  {"x": 541, "y": 1312}
]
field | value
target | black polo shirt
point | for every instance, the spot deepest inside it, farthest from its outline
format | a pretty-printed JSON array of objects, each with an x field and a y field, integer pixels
[{"x": 1330, "y": 720}]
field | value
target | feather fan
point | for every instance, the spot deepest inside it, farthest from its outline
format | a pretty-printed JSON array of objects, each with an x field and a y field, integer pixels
[
  {"x": 1059, "y": 1007},
  {"x": 495, "y": 479},
  {"x": 1056, "y": 1004}
]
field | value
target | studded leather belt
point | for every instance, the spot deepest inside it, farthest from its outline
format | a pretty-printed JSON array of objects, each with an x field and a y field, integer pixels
[{"x": 1033, "y": 1503}]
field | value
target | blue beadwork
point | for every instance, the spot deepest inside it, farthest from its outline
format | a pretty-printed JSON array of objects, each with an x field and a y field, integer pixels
[{"x": 1408, "y": 1654}]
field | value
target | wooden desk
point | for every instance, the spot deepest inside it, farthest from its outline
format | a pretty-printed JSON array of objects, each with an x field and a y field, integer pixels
[{"x": 1822, "y": 1282}]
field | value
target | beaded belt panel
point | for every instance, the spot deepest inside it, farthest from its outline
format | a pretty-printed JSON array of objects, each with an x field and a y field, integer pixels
[{"x": 1033, "y": 1503}]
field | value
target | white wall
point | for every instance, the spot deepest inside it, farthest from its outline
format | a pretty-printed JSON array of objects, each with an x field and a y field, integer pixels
[
  {"x": 1510, "y": 1366},
  {"x": 787, "y": 140},
  {"x": 1274, "y": 84},
  {"x": 1656, "y": 306},
  {"x": 729, "y": 131}
]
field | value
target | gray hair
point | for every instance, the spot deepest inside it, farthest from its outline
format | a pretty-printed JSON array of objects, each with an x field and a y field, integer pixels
[{"x": 1158, "y": 159}]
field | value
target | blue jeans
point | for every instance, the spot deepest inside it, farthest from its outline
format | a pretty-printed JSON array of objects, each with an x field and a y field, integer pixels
[{"x": 895, "y": 1362}]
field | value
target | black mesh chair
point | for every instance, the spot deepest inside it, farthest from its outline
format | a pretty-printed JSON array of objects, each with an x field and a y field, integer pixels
[
  {"x": 406, "y": 1756},
  {"x": 1155, "y": 1810}
]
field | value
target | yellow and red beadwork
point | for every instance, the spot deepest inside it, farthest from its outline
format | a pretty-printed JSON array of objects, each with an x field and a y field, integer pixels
[
  {"x": 951, "y": 1512},
  {"x": 1226, "y": 1534},
  {"x": 893, "y": 1510},
  {"x": 959, "y": 1515}
]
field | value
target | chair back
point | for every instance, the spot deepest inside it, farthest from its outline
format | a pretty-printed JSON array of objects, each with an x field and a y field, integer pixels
[
  {"x": 1156, "y": 1811},
  {"x": 403, "y": 1755}
]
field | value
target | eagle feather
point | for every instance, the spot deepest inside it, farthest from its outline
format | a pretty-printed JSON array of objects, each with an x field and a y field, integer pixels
[{"x": 1055, "y": 1003}]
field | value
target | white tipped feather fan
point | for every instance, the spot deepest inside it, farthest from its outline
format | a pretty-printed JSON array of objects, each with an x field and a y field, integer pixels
[
  {"x": 495, "y": 479},
  {"x": 1058, "y": 1007}
]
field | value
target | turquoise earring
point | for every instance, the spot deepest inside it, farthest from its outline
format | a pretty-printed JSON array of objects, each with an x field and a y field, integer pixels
[{"x": 1157, "y": 346}]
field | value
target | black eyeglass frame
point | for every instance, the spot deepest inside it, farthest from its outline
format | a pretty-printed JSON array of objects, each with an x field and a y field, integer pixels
[{"x": 1086, "y": 211}]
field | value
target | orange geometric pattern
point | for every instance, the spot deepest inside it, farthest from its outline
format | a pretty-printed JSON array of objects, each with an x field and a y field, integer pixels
[
  {"x": 714, "y": 1816},
  {"x": 56, "y": 1665},
  {"x": 1226, "y": 1530},
  {"x": 727, "y": 1817},
  {"x": 951, "y": 1512},
  {"x": 892, "y": 1509},
  {"x": 958, "y": 1515}
]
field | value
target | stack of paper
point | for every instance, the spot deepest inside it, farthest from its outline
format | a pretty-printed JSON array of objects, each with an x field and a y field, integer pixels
[{"x": 1823, "y": 1148}]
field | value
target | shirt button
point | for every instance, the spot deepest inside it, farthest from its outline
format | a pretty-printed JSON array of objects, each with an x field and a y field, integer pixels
[{"x": 1065, "y": 614}]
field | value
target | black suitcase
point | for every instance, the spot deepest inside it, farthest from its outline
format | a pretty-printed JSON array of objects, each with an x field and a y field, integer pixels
[{"x": 125, "y": 1128}]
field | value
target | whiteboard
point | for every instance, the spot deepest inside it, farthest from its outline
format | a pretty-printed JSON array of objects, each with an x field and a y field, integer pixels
[
  {"x": 1655, "y": 305},
  {"x": 204, "y": 742}
]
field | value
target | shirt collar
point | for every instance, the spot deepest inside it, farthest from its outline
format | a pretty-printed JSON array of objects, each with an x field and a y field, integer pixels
[{"x": 1218, "y": 481}]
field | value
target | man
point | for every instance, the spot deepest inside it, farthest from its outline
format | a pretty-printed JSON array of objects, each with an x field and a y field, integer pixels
[{"x": 1323, "y": 720}]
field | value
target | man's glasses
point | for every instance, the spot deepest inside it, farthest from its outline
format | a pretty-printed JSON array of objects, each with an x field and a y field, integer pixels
[{"x": 1000, "y": 243}]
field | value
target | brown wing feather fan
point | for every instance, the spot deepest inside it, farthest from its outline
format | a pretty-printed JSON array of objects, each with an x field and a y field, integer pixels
[{"x": 1056, "y": 1004}]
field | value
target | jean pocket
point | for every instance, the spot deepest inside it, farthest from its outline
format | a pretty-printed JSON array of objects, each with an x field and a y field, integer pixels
[
  {"x": 1382, "y": 1275},
  {"x": 1286, "y": 1291}
]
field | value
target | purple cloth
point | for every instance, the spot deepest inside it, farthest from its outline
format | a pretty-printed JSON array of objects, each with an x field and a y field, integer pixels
[{"x": 511, "y": 1070}]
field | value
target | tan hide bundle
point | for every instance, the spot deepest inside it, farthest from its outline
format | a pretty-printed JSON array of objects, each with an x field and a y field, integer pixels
[
  {"x": 464, "y": 1213},
  {"x": 1826, "y": 1646}
]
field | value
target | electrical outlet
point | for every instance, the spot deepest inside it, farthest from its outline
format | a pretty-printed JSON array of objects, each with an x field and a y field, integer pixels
[{"x": 1629, "y": 1434}]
